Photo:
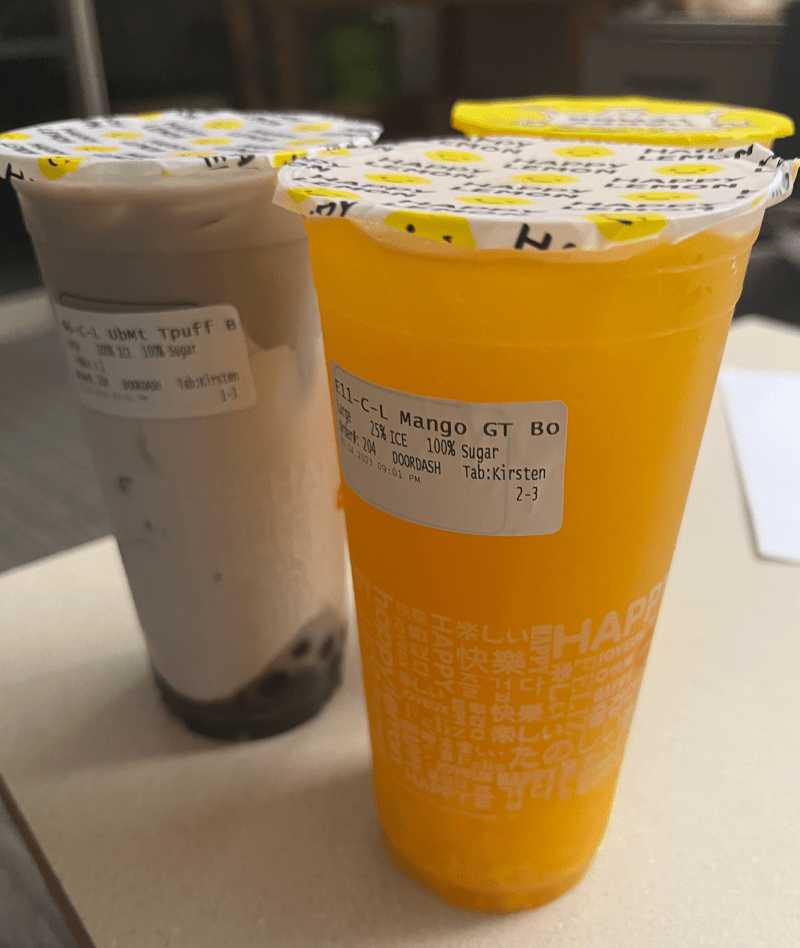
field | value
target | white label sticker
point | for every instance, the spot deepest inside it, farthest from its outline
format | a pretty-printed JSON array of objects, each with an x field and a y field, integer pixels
[
  {"x": 494, "y": 468},
  {"x": 180, "y": 363}
]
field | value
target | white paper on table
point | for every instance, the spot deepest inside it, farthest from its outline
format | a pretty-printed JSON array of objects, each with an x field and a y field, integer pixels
[{"x": 763, "y": 410}]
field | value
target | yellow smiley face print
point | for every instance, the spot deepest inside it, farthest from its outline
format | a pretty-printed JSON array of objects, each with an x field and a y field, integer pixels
[
  {"x": 52, "y": 168},
  {"x": 496, "y": 200},
  {"x": 397, "y": 178},
  {"x": 15, "y": 136},
  {"x": 97, "y": 149},
  {"x": 462, "y": 157},
  {"x": 689, "y": 169},
  {"x": 124, "y": 135},
  {"x": 298, "y": 195},
  {"x": 737, "y": 119},
  {"x": 449, "y": 228},
  {"x": 583, "y": 151},
  {"x": 281, "y": 158},
  {"x": 620, "y": 227},
  {"x": 545, "y": 178},
  {"x": 312, "y": 127},
  {"x": 660, "y": 197},
  {"x": 223, "y": 125}
]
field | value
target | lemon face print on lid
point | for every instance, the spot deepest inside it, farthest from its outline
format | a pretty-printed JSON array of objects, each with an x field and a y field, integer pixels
[
  {"x": 532, "y": 196},
  {"x": 660, "y": 197},
  {"x": 583, "y": 151},
  {"x": 689, "y": 170},
  {"x": 738, "y": 117},
  {"x": 495, "y": 200},
  {"x": 619, "y": 227},
  {"x": 52, "y": 168},
  {"x": 397, "y": 178},
  {"x": 448, "y": 228},
  {"x": 300, "y": 194},
  {"x": 451, "y": 154},
  {"x": 224, "y": 124},
  {"x": 545, "y": 178},
  {"x": 181, "y": 143},
  {"x": 281, "y": 158},
  {"x": 125, "y": 136}
]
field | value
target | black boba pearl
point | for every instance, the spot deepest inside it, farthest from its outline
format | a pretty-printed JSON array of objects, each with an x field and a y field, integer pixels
[{"x": 299, "y": 649}]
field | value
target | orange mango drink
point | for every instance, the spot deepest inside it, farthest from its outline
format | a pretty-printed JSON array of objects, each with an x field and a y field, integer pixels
[
  {"x": 635, "y": 119},
  {"x": 519, "y": 401}
]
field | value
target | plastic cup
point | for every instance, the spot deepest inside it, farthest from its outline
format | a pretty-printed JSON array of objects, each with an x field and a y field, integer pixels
[
  {"x": 517, "y": 431},
  {"x": 545, "y": 637},
  {"x": 639, "y": 120},
  {"x": 185, "y": 303}
]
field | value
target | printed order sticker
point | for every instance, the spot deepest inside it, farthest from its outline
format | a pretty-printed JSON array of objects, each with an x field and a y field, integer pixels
[
  {"x": 628, "y": 119},
  {"x": 173, "y": 143},
  {"x": 495, "y": 469},
  {"x": 183, "y": 363},
  {"x": 535, "y": 195}
]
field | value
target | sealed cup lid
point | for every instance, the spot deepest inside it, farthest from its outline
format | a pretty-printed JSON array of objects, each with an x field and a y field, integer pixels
[
  {"x": 175, "y": 143},
  {"x": 638, "y": 120},
  {"x": 534, "y": 194}
]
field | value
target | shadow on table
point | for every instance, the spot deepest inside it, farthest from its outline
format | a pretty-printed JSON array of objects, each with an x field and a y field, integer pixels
[
  {"x": 273, "y": 842},
  {"x": 297, "y": 868}
]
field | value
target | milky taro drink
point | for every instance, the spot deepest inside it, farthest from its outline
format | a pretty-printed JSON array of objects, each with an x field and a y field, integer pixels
[
  {"x": 184, "y": 300},
  {"x": 522, "y": 341}
]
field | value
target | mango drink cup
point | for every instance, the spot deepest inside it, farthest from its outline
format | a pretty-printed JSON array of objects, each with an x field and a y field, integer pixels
[
  {"x": 185, "y": 303},
  {"x": 633, "y": 119},
  {"x": 519, "y": 396}
]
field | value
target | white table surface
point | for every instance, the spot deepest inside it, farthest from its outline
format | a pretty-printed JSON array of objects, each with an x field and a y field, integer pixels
[{"x": 162, "y": 838}]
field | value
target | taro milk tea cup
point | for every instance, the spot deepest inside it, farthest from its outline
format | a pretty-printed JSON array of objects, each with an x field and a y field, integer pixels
[
  {"x": 184, "y": 301},
  {"x": 522, "y": 339}
]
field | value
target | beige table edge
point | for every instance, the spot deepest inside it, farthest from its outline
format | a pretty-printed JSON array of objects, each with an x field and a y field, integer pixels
[{"x": 164, "y": 838}]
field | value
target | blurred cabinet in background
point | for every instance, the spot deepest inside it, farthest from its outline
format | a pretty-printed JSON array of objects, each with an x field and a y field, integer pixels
[
  {"x": 484, "y": 48},
  {"x": 34, "y": 64},
  {"x": 681, "y": 58}
]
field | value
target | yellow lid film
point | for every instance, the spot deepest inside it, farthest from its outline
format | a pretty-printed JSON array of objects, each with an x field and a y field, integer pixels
[
  {"x": 635, "y": 120},
  {"x": 120, "y": 148},
  {"x": 525, "y": 194}
]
